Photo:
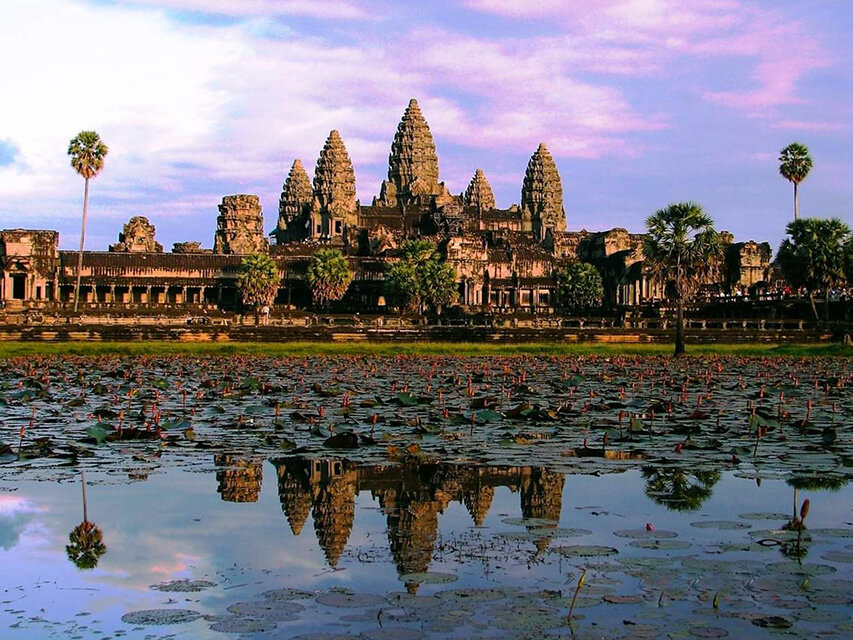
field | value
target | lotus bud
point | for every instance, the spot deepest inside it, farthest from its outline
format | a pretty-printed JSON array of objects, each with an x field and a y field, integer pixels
[{"x": 804, "y": 510}]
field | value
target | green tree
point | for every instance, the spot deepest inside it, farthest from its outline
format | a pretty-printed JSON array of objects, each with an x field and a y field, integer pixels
[
  {"x": 814, "y": 255},
  {"x": 579, "y": 287},
  {"x": 258, "y": 280},
  {"x": 420, "y": 278},
  {"x": 87, "y": 158},
  {"x": 682, "y": 250},
  {"x": 794, "y": 165},
  {"x": 329, "y": 276}
]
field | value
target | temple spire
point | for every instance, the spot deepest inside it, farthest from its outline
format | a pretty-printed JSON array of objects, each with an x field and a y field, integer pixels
[
  {"x": 334, "y": 177},
  {"x": 413, "y": 162},
  {"x": 479, "y": 193},
  {"x": 542, "y": 194},
  {"x": 296, "y": 194}
]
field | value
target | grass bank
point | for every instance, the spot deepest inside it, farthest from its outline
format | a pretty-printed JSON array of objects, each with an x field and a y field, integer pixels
[{"x": 13, "y": 349}]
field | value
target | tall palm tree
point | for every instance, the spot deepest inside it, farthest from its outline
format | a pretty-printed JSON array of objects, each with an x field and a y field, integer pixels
[
  {"x": 794, "y": 165},
  {"x": 329, "y": 276},
  {"x": 87, "y": 157},
  {"x": 683, "y": 251}
]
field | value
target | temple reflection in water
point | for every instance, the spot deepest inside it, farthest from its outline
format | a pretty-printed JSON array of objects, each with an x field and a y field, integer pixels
[{"x": 411, "y": 496}]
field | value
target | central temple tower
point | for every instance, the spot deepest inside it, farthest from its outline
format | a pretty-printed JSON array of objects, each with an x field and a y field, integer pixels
[{"x": 412, "y": 164}]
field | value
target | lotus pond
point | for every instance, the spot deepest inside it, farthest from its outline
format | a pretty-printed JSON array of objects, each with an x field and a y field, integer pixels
[{"x": 425, "y": 497}]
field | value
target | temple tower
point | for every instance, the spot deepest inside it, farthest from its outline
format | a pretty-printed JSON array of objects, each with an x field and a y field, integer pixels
[
  {"x": 297, "y": 196},
  {"x": 137, "y": 236},
  {"x": 542, "y": 195},
  {"x": 239, "y": 478},
  {"x": 479, "y": 193},
  {"x": 335, "y": 207},
  {"x": 240, "y": 226},
  {"x": 413, "y": 164}
]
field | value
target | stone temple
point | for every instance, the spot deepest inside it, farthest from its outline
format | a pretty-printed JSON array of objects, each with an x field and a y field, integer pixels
[{"x": 504, "y": 258}]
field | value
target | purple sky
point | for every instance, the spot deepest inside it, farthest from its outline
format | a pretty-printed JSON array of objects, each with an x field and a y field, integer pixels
[{"x": 642, "y": 103}]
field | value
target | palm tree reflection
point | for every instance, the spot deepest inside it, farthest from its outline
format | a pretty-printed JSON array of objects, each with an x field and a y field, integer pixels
[
  {"x": 86, "y": 541},
  {"x": 679, "y": 489}
]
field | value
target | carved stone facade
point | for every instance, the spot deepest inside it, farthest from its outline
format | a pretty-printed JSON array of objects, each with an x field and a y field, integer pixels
[
  {"x": 240, "y": 226},
  {"x": 504, "y": 258},
  {"x": 137, "y": 236}
]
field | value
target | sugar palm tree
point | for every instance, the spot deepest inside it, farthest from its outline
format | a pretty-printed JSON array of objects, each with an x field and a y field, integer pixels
[
  {"x": 258, "y": 279},
  {"x": 329, "y": 276},
  {"x": 794, "y": 165},
  {"x": 683, "y": 251},
  {"x": 87, "y": 157}
]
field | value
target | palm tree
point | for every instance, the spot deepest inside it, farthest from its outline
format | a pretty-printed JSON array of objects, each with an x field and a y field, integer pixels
[
  {"x": 86, "y": 541},
  {"x": 683, "y": 251},
  {"x": 87, "y": 157},
  {"x": 794, "y": 165},
  {"x": 329, "y": 276},
  {"x": 814, "y": 256},
  {"x": 258, "y": 279}
]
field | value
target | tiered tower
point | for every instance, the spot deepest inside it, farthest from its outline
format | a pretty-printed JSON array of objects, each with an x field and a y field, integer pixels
[
  {"x": 239, "y": 478},
  {"x": 413, "y": 164},
  {"x": 297, "y": 196},
  {"x": 294, "y": 493},
  {"x": 334, "y": 514},
  {"x": 335, "y": 206},
  {"x": 479, "y": 193},
  {"x": 542, "y": 195},
  {"x": 478, "y": 501},
  {"x": 240, "y": 226}
]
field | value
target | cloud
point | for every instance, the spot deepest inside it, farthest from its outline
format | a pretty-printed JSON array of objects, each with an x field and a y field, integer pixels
[
  {"x": 324, "y": 9},
  {"x": 646, "y": 36}
]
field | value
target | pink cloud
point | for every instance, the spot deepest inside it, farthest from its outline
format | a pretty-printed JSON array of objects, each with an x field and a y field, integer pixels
[
  {"x": 636, "y": 37},
  {"x": 328, "y": 9}
]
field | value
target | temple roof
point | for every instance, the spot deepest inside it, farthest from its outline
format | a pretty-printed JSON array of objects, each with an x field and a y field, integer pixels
[
  {"x": 295, "y": 193},
  {"x": 542, "y": 192},
  {"x": 334, "y": 177},
  {"x": 479, "y": 193},
  {"x": 413, "y": 156}
]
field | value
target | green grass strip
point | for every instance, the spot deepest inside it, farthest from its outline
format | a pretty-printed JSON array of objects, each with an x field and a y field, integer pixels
[{"x": 14, "y": 349}]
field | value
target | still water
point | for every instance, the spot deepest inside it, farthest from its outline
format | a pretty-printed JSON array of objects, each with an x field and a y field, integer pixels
[{"x": 322, "y": 548}]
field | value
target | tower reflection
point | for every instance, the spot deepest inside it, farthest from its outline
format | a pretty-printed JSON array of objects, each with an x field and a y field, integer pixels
[{"x": 412, "y": 496}]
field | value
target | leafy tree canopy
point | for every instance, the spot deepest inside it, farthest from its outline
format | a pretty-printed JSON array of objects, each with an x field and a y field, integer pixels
[
  {"x": 815, "y": 253},
  {"x": 579, "y": 286},
  {"x": 329, "y": 276},
  {"x": 682, "y": 248},
  {"x": 420, "y": 278},
  {"x": 258, "y": 280},
  {"x": 87, "y": 153},
  {"x": 795, "y": 162}
]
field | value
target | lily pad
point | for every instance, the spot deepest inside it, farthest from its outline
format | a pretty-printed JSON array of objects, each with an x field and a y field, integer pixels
[
  {"x": 588, "y": 550},
  {"x": 154, "y": 617}
]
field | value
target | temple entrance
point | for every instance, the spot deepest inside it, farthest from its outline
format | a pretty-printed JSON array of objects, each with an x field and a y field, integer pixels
[{"x": 19, "y": 286}]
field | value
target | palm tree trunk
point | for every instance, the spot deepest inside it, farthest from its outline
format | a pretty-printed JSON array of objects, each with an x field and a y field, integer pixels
[
  {"x": 796, "y": 202},
  {"x": 826, "y": 304},
  {"x": 85, "y": 502},
  {"x": 82, "y": 244},
  {"x": 679, "y": 328},
  {"x": 814, "y": 308}
]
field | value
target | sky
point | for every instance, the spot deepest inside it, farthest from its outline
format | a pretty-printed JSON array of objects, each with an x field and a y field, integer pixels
[{"x": 641, "y": 102}]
